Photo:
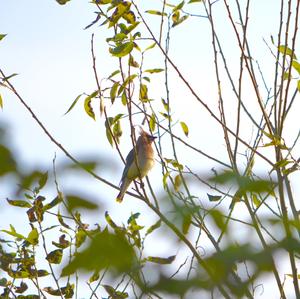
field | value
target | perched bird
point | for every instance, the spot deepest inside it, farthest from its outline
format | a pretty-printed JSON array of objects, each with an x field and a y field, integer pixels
[{"x": 145, "y": 161}]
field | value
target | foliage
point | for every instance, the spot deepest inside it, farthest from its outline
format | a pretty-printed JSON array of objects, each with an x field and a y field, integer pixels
[{"x": 240, "y": 244}]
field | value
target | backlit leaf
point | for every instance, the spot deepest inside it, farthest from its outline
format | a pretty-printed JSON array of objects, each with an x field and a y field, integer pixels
[
  {"x": 185, "y": 128},
  {"x": 33, "y": 237},
  {"x": 152, "y": 71},
  {"x": 87, "y": 104},
  {"x": 120, "y": 10},
  {"x": 214, "y": 197},
  {"x": 63, "y": 243},
  {"x": 105, "y": 250},
  {"x": 122, "y": 50},
  {"x": 153, "y": 227},
  {"x": 296, "y": 65},
  {"x": 2, "y": 36},
  {"x": 152, "y": 123},
  {"x": 113, "y": 91},
  {"x": 143, "y": 93},
  {"x": 177, "y": 182},
  {"x": 55, "y": 256},
  {"x": 1, "y": 102},
  {"x": 19, "y": 203},
  {"x": 57, "y": 200},
  {"x": 186, "y": 222},
  {"x": 180, "y": 20},
  {"x": 179, "y": 6},
  {"x": 80, "y": 237},
  {"x": 43, "y": 180},
  {"x": 161, "y": 260},
  {"x": 73, "y": 104},
  {"x": 13, "y": 233},
  {"x": 156, "y": 12},
  {"x": 129, "y": 17},
  {"x": 62, "y": 2},
  {"x": 286, "y": 50},
  {"x": 114, "y": 294},
  {"x": 75, "y": 202}
]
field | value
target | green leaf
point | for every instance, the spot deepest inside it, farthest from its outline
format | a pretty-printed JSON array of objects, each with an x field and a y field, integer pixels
[
  {"x": 175, "y": 17},
  {"x": 13, "y": 233},
  {"x": 122, "y": 50},
  {"x": 21, "y": 289},
  {"x": 153, "y": 227},
  {"x": 19, "y": 203},
  {"x": 256, "y": 200},
  {"x": 174, "y": 163},
  {"x": 73, "y": 104},
  {"x": 152, "y": 71},
  {"x": 120, "y": 10},
  {"x": 105, "y": 250},
  {"x": 1, "y": 102},
  {"x": 152, "y": 123},
  {"x": 80, "y": 237},
  {"x": 63, "y": 243},
  {"x": 57, "y": 200},
  {"x": 214, "y": 197},
  {"x": 286, "y": 50},
  {"x": 3, "y": 282},
  {"x": 179, "y": 6},
  {"x": 245, "y": 184},
  {"x": 194, "y": 1},
  {"x": 127, "y": 81},
  {"x": 94, "y": 277},
  {"x": 156, "y": 12},
  {"x": 114, "y": 293},
  {"x": 133, "y": 217},
  {"x": 67, "y": 291},
  {"x": 185, "y": 128},
  {"x": 2, "y": 36},
  {"x": 179, "y": 21},
  {"x": 43, "y": 180},
  {"x": 62, "y": 2},
  {"x": 55, "y": 256},
  {"x": 9, "y": 77},
  {"x": 113, "y": 74},
  {"x": 124, "y": 98},
  {"x": 113, "y": 91},
  {"x": 177, "y": 182},
  {"x": 129, "y": 17},
  {"x": 298, "y": 85},
  {"x": 165, "y": 177},
  {"x": 218, "y": 219},
  {"x": 87, "y": 104},
  {"x": 161, "y": 260},
  {"x": 143, "y": 93},
  {"x": 33, "y": 237},
  {"x": 132, "y": 62},
  {"x": 186, "y": 222},
  {"x": 61, "y": 220},
  {"x": 179, "y": 287},
  {"x": 75, "y": 202},
  {"x": 296, "y": 65},
  {"x": 150, "y": 47}
]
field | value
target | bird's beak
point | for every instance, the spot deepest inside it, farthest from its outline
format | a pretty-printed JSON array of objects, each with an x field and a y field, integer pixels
[{"x": 152, "y": 138}]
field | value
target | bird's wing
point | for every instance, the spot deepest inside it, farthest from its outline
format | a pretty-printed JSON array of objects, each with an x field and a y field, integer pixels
[{"x": 129, "y": 161}]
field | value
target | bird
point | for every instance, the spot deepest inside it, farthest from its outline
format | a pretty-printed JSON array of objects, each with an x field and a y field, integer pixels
[{"x": 139, "y": 166}]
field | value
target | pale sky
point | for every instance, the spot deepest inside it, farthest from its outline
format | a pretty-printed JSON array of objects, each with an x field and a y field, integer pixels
[{"x": 47, "y": 46}]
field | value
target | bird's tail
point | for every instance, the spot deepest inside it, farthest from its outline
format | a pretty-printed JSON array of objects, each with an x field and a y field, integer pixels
[{"x": 124, "y": 185}]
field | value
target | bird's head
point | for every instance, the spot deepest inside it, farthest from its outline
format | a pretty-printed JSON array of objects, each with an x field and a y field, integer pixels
[{"x": 147, "y": 137}]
